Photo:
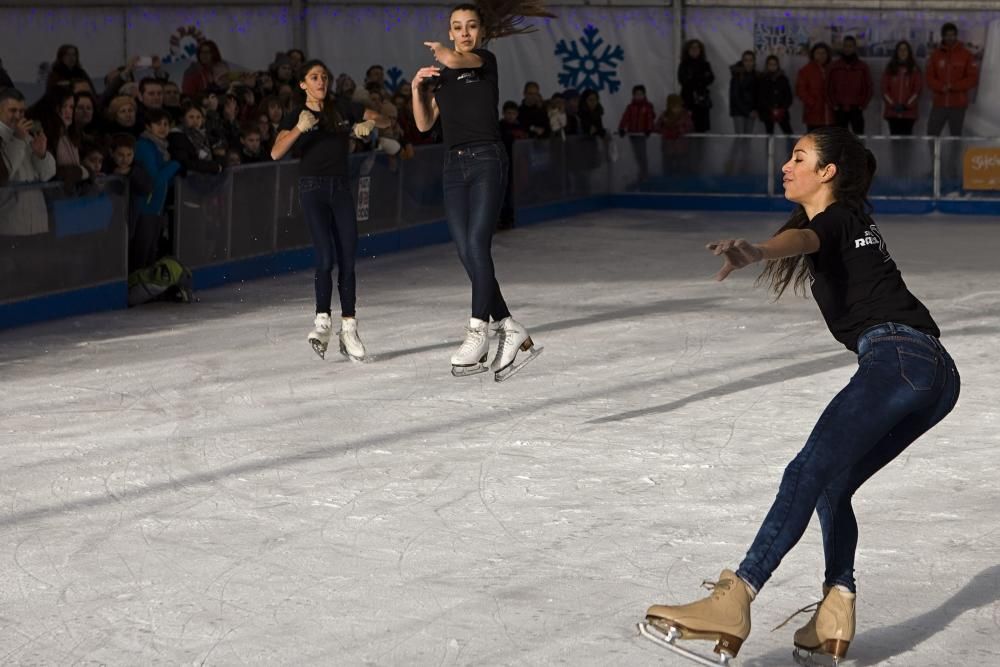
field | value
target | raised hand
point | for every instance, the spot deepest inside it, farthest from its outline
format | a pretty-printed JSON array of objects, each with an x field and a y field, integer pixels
[
  {"x": 364, "y": 128},
  {"x": 438, "y": 50},
  {"x": 738, "y": 253},
  {"x": 307, "y": 121},
  {"x": 423, "y": 76}
]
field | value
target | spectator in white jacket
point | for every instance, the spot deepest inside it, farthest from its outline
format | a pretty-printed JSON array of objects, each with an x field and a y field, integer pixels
[{"x": 24, "y": 151}]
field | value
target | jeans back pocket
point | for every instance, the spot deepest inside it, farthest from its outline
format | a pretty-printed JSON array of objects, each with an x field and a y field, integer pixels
[{"x": 919, "y": 370}]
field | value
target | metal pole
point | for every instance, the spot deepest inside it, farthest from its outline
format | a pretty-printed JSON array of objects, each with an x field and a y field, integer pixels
[
  {"x": 770, "y": 166},
  {"x": 937, "y": 168},
  {"x": 298, "y": 25},
  {"x": 678, "y": 32}
]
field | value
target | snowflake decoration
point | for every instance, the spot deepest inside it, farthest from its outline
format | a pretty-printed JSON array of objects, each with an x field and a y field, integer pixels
[
  {"x": 590, "y": 69},
  {"x": 393, "y": 77}
]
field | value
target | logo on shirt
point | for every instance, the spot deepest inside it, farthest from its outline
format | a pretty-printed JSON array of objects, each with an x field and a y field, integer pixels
[
  {"x": 468, "y": 77},
  {"x": 873, "y": 237}
]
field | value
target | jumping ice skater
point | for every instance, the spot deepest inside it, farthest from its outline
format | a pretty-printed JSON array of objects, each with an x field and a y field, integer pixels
[
  {"x": 464, "y": 93},
  {"x": 319, "y": 133},
  {"x": 905, "y": 383}
]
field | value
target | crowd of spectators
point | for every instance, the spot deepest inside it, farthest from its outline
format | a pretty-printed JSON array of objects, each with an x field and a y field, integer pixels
[
  {"x": 837, "y": 92},
  {"x": 147, "y": 128}
]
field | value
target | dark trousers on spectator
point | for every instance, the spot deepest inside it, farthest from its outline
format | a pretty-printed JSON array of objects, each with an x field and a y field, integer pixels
[
  {"x": 328, "y": 207},
  {"x": 955, "y": 118},
  {"x": 474, "y": 181},
  {"x": 641, "y": 153},
  {"x": 851, "y": 118},
  {"x": 902, "y": 127},
  {"x": 144, "y": 234},
  {"x": 700, "y": 118},
  {"x": 784, "y": 124}
]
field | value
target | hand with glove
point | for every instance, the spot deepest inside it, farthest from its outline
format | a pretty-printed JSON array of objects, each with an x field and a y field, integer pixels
[
  {"x": 364, "y": 128},
  {"x": 621, "y": 131},
  {"x": 899, "y": 108},
  {"x": 307, "y": 121}
]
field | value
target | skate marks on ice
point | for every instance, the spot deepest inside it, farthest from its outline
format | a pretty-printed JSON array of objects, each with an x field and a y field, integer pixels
[
  {"x": 663, "y": 307},
  {"x": 881, "y": 645},
  {"x": 669, "y": 642},
  {"x": 794, "y": 371}
]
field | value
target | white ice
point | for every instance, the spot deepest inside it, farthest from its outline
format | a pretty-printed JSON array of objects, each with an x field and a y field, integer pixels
[{"x": 191, "y": 484}]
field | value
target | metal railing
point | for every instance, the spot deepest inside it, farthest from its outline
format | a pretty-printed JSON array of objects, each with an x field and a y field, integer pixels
[{"x": 253, "y": 210}]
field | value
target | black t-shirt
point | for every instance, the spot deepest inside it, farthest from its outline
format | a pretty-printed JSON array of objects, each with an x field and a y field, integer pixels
[
  {"x": 468, "y": 100},
  {"x": 324, "y": 151},
  {"x": 855, "y": 281}
]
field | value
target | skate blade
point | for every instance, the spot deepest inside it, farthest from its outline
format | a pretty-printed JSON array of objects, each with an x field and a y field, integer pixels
[
  {"x": 657, "y": 636},
  {"x": 466, "y": 371},
  {"x": 318, "y": 347},
  {"x": 808, "y": 658},
  {"x": 358, "y": 360},
  {"x": 513, "y": 367}
]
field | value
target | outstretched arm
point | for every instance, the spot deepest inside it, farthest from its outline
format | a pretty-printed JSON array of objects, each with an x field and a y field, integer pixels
[
  {"x": 452, "y": 59},
  {"x": 739, "y": 253}
]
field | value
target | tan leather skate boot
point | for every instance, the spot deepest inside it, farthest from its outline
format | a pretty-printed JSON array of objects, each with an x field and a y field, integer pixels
[
  {"x": 724, "y": 616},
  {"x": 831, "y": 629}
]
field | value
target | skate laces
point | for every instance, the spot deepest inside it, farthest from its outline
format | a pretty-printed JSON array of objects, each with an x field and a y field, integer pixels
[
  {"x": 473, "y": 339},
  {"x": 805, "y": 610},
  {"x": 717, "y": 586}
]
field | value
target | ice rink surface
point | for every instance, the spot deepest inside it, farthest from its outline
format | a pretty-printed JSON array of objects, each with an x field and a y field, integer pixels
[{"x": 191, "y": 484}]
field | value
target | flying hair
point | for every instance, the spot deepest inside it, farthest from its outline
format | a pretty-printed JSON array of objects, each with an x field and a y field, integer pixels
[{"x": 503, "y": 18}]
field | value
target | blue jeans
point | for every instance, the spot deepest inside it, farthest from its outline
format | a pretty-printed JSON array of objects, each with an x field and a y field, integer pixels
[
  {"x": 328, "y": 208},
  {"x": 474, "y": 181},
  {"x": 905, "y": 383}
]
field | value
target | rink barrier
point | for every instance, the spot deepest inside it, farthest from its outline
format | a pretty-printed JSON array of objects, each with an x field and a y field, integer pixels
[{"x": 246, "y": 224}]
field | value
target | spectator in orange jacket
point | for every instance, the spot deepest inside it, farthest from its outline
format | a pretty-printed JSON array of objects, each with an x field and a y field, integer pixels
[
  {"x": 850, "y": 88},
  {"x": 901, "y": 86},
  {"x": 810, "y": 87},
  {"x": 951, "y": 73}
]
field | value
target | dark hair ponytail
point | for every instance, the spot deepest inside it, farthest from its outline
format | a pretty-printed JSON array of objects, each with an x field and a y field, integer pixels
[
  {"x": 502, "y": 18},
  {"x": 856, "y": 166}
]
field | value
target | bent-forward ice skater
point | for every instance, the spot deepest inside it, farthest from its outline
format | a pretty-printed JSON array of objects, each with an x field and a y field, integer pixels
[{"x": 905, "y": 384}]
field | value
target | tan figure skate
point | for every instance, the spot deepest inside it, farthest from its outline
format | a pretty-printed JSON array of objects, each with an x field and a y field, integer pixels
[
  {"x": 723, "y": 617},
  {"x": 829, "y": 632}
]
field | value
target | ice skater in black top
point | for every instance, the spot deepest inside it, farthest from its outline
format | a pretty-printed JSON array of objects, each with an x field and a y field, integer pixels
[
  {"x": 464, "y": 93},
  {"x": 905, "y": 384},
  {"x": 319, "y": 133}
]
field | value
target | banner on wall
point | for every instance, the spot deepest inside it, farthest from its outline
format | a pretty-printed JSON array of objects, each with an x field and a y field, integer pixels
[
  {"x": 793, "y": 33},
  {"x": 981, "y": 169}
]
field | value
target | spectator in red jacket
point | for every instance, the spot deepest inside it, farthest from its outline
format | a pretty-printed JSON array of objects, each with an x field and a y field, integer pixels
[
  {"x": 639, "y": 116},
  {"x": 850, "y": 88},
  {"x": 810, "y": 87},
  {"x": 901, "y": 86},
  {"x": 951, "y": 73},
  {"x": 210, "y": 71},
  {"x": 638, "y": 120}
]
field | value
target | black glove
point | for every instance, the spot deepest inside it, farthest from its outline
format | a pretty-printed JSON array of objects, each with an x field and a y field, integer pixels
[
  {"x": 621, "y": 132},
  {"x": 899, "y": 108}
]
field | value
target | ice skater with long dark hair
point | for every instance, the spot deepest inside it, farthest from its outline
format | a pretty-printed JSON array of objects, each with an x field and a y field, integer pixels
[
  {"x": 906, "y": 383},
  {"x": 464, "y": 93}
]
